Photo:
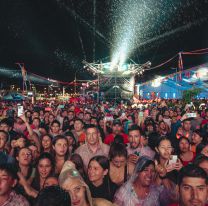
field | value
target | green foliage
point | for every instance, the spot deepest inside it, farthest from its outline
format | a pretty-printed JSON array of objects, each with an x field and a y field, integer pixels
[{"x": 188, "y": 95}]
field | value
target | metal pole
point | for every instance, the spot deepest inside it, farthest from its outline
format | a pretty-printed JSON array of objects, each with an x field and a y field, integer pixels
[
  {"x": 94, "y": 28},
  {"x": 75, "y": 80},
  {"x": 63, "y": 91},
  {"x": 75, "y": 83},
  {"x": 98, "y": 98}
]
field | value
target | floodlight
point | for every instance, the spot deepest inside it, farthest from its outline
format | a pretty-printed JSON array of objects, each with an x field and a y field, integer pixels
[
  {"x": 202, "y": 73},
  {"x": 157, "y": 82}
]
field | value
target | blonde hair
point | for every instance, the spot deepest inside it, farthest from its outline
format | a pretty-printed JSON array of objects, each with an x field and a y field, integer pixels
[{"x": 69, "y": 172}]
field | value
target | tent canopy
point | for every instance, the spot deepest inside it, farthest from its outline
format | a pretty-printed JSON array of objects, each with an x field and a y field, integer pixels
[
  {"x": 172, "y": 86},
  {"x": 13, "y": 96}
]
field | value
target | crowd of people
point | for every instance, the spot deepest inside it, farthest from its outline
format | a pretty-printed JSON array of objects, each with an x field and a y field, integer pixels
[{"x": 152, "y": 153}]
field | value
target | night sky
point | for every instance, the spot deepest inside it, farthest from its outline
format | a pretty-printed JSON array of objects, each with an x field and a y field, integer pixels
[{"x": 52, "y": 37}]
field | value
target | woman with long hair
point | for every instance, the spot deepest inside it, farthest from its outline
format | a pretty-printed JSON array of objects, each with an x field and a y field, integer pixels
[
  {"x": 26, "y": 170},
  {"x": 185, "y": 154},
  {"x": 24, "y": 161},
  {"x": 98, "y": 179},
  {"x": 166, "y": 170},
  {"x": 45, "y": 168},
  {"x": 120, "y": 169},
  {"x": 72, "y": 143},
  {"x": 71, "y": 181},
  {"x": 61, "y": 152},
  {"x": 141, "y": 189}
]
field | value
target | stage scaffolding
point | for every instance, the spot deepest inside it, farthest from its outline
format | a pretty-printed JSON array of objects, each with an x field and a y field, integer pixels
[{"x": 116, "y": 81}]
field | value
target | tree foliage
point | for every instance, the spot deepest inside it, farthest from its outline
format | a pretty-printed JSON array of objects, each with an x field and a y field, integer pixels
[{"x": 188, "y": 95}]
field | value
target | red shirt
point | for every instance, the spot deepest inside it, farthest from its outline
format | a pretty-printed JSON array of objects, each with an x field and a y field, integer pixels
[
  {"x": 185, "y": 163},
  {"x": 110, "y": 138},
  {"x": 204, "y": 121}
]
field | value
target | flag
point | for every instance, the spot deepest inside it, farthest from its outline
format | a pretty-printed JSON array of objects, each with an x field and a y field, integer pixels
[
  {"x": 187, "y": 74},
  {"x": 24, "y": 73},
  {"x": 180, "y": 62},
  {"x": 179, "y": 78},
  {"x": 23, "y": 70}
]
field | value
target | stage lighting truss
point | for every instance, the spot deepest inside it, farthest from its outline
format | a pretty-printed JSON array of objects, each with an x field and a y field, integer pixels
[
  {"x": 107, "y": 69},
  {"x": 116, "y": 80}
]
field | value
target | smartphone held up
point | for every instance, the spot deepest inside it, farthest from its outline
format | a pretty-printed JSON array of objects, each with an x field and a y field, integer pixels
[{"x": 20, "y": 110}]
